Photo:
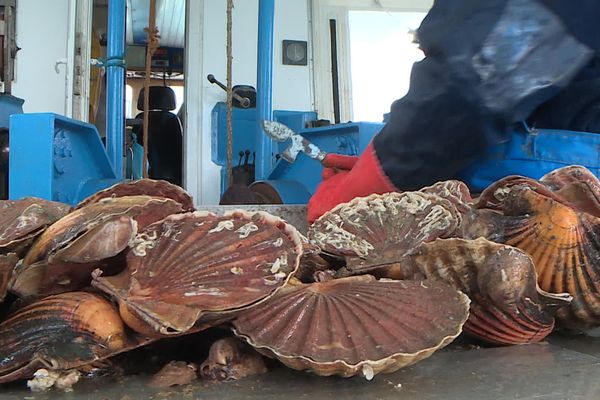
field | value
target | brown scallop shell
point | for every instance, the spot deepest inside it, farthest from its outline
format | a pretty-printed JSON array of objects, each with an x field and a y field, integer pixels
[
  {"x": 64, "y": 256},
  {"x": 507, "y": 306},
  {"x": 21, "y": 221},
  {"x": 493, "y": 196},
  {"x": 194, "y": 267},
  {"x": 355, "y": 325},
  {"x": 148, "y": 187},
  {"x": 7, "y": 265},
  {"x": 61, "y": 332},
  {"x": 578, "y": 186},
  {"x": 565, "y": 246},
  {"x": 376, "y": 231}
]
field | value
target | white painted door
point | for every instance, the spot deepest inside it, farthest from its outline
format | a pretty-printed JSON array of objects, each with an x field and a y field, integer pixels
[{"x": 44, "y": 66}]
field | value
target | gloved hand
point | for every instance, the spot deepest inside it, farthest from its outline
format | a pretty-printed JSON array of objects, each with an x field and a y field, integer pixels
[{"x": 347, "y": 177}]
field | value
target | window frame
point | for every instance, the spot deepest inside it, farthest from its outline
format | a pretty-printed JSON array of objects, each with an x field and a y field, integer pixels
[{"x": 322, "y": 12}]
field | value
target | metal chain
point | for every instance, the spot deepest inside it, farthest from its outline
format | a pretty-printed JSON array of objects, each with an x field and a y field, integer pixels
[
  {"x": 153, "y": 44},
  {"x": 229, "y": 94}
]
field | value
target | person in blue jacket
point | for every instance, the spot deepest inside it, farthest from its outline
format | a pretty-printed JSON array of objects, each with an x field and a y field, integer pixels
[{"x": 488, "y": 64}]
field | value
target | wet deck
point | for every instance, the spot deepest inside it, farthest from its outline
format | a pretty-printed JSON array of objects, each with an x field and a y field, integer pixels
[{"x": 561, "y": 368}]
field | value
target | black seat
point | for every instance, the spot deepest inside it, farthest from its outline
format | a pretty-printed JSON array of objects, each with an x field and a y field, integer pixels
[{"x": 165, "y": 137}]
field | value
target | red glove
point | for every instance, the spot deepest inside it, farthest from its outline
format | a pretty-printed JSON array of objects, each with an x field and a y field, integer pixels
[{"x": 347, "y": 177}]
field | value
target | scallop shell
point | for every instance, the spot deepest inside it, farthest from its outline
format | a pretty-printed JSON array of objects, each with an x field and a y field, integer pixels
[
  {"x": 21, "y": 221},
  {"x": 578, "y": 186},
  {"x": 148, "y": 187},
  {"x": 355, "y": 325},
  {"x": 493, "y": 196},
  {"x": 64, "y": 256},
  {"x": 376, "y": 231},
  {"x": 194, "y": 267},
  {"x": 456, "y": 192},
  {"x": 507, "y": 306},
  {"x": 565, "y": 246},
  {"x": 7, "y": 265},
  {"x": 61, "y": 332}
]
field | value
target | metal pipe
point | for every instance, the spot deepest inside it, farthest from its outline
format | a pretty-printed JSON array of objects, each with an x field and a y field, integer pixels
[
  {"x": 264, "y": 84},
  {"x": 115, "y": 84}
]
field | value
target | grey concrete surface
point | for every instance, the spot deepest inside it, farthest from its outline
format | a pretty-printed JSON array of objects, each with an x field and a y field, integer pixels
[{"x": 562, "y": 368}]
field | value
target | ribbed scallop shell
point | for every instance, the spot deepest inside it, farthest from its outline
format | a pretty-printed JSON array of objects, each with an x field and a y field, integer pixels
[
  {"x": 64, "y": 256},
  {"x": 565, "y": 247},
  {"x": 22, "y": 220},
  {"x": 355, "y": 325},
  {"x": 376, "y": 231},
  {"x": 494, "y": 195},
  {"x": 61, "y": 332},
  {"x": 577, "y": 185},
  {"x": 148, "y": 187},
  {"x": 507, "y": 306},
  {"x": 196, "y": 265}
]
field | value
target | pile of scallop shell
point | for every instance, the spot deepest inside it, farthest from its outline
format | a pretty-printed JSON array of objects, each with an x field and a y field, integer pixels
[{"x": 380, "y": 282}]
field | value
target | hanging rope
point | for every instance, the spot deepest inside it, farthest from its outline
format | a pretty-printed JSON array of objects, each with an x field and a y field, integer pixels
[
  {"x": 153, "y": 44},
  {"x": 229, "y": 93}
]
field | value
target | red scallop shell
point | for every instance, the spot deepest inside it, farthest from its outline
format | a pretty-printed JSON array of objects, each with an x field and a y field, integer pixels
[
  {"x": 63, "y": 257},
  {"x": 375, "y": 232},
  {"x": 21, "y": 221},
  {"x": 578, "y": 186},
  {"x": 507, "y": 306},
  {"x": 355, "y": 325},
  {"x": 147, "y": 187},
  {"x": 198, "y": 266}
]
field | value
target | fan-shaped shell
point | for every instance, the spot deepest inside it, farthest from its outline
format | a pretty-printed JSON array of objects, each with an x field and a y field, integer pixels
[
  {"x": 507, "y": 306},
  {"x": 61, "y": 332},
  {"x": 197, "y": 265},
  {"x": 494, "y": 195},
  {"x": 22, "y": 220},
  {"x": 64, "y": 256},
  {"x": 578, "y": 186},
  {"x": 376, "y": 231},
  {"x": 565, "y": 247},
  {"x": 355, "y": 325},
  {"x": 148, "y": 187}
]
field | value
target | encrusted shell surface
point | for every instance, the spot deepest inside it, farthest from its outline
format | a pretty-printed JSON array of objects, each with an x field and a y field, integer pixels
[
  {"x": 355, "y": 325},
  {"x": 22, "y": 220},
  {"x": 493, "y": 196},
  {"x": 197, "y": 266},
  {"x": 507, "y": 306},
  {"x": 376, "y": 231},
  {"x": 61, "y": 332},
  {"x": 455, "y": 192},
  {"x": 148, "y": 187},
  {"x": 63, "y": 257},
  {"x": 565, "y": 246}
]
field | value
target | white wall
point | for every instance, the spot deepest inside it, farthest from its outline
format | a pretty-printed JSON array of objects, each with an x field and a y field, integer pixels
[
  {"x": 42, "y": 35},
  {"x": 291, "y": 84}
]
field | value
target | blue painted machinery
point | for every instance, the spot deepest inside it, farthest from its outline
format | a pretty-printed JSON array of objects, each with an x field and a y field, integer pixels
[{"x": 61, "y": 159}]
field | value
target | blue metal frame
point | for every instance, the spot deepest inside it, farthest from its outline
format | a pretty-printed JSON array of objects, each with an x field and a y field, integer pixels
[
  {"x": 115, "y": 84},
  {"x": 56, "y": 158},
  {"x": 264, "y": 86}
]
